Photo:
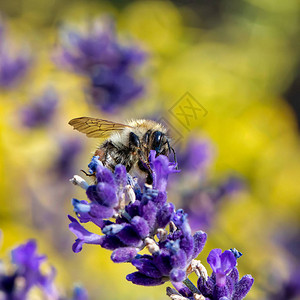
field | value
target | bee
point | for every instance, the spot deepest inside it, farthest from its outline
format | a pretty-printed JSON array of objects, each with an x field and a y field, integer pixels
[{"x": 127, "y": 144}]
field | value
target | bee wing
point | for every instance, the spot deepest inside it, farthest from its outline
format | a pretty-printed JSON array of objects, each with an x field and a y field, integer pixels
[{"x": 96, "y": 128}]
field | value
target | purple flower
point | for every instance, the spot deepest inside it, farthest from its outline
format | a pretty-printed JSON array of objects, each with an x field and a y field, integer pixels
[
  {"x": 64, "y": 163},
  {"x": 290, "y": 288},
  {"x": 26, "y": 257},
  {"x": 133, "y": 217},
  {"x": 170, "y": 262},
  {"x": 79, "y": 293},
  {"x": 161, "y": 168},
  {"x": 224, "y": 282},
  {"x": 137, "y": 222},
  {"x": 197, "y": 155},
  {"x": 222, "y": 264},
  {"x": 234, "y": 288},
  {"x": 83, "y": 235},
  {"x": 113, "y": 88},
  {"x": 13, "y": 64},
  {"x": 28, "y": 264},
  {"x": 12, "y": 68},
  {"x": 41, "y": 110},
  {"x": 109, "y": 66},
  {"x": 28, "y": 267},
  {"x": 201, "y": 203}
]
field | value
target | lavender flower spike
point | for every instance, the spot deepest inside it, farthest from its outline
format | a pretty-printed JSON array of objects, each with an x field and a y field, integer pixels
[
  {"x": 14, "y": 64},
  {"x": 41, "y": 111},
  {"x": 27, "y": 274},
  {"x": 133, "y": 217},
  {"x": 222, "y": 264},
  {"x": 224, "y": 282},
  {"x": 108, "y": 65}
]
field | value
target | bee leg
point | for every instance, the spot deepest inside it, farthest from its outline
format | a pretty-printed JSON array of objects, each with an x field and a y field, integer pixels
[
  {"x": 145, "y": 167},
  {"x": 149, "y": 179},
  {"x": 87, "y": 174},
  {"x": 144, "y": 160}
]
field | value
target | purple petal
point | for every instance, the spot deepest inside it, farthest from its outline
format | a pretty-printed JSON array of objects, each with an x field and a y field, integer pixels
[
  {"x": 148, "y": 212},
  {"x": 228, "y": 261},
  {"x": 101, "y": 212},
  {"x": 161, "y": 168},
  {"x": 243, "y": 287},
  {"x": 214, "y": 259},
  {"x": 200, "y": 238},
  {"x": 220, "y": 291},
  {"x": 84, "y": 236},
  {"x": 111, "y": 242},
  {"x": 107, "y": 194},
  {"x": 146, "y": 267},
  {"x": 234, "y": 275},
  {"x": 221, "y": 279},
  {"x": 125, "y": 254},
  {"x": 129, "y": 236},
  {"x": 177, "y": 275},
  {"x": 133, "y": 208},
  {"x": 230, "y": 284},
  {"x": 140, "y": 225},
  {"x": 187, "y": 244},
  {"x": 163, "y": 263},
  {"x": 141, "y": 279},
  {"x": 160, "y": 199},
  {"x": 179, "y": 259},
  {"x": 104, "y": 175},
  {"x": 121, "y": 175},
  {"x": 12, "y": 69},
  {"x": 164, "y": 215},
  {"x": 95, "y": 162},
  {"x": 103, "y": 194}
]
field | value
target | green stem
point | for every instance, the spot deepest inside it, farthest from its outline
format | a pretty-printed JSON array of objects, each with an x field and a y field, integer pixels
[
  {"x": 191, "y": 286},
  {"x": 126, "y": 215}
]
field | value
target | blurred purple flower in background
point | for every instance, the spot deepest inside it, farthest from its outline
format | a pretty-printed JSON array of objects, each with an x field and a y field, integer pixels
[
  {"x": 290, "y": 288},
  {"x": 14, "y": 63},
  {"x": 202, "y": 203},
  {"x": 286, "y": 283},
  {"x": 80, "y": 293},
  {"x": 28, "y": 268},
  {"x": 40, "y": 111},
  {"x": 108, "y": 65},
  {"x": 202, "y": 197},
  {"x": 64, "y": 163},
  {"x": 28, "y": 273},
  {"x": 196, "y": 155}
]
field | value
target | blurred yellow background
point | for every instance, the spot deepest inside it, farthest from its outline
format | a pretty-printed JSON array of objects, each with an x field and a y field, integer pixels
[{"x": 237, "y": 59}]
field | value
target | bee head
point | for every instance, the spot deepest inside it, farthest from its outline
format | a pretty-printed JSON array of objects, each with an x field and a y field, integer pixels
[{"x": 159, "y": 143}]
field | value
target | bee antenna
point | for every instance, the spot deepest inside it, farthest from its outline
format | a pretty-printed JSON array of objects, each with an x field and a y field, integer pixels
[
  {"x": 174, "y": 154},
  {"x": 175, "y": 158}
]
